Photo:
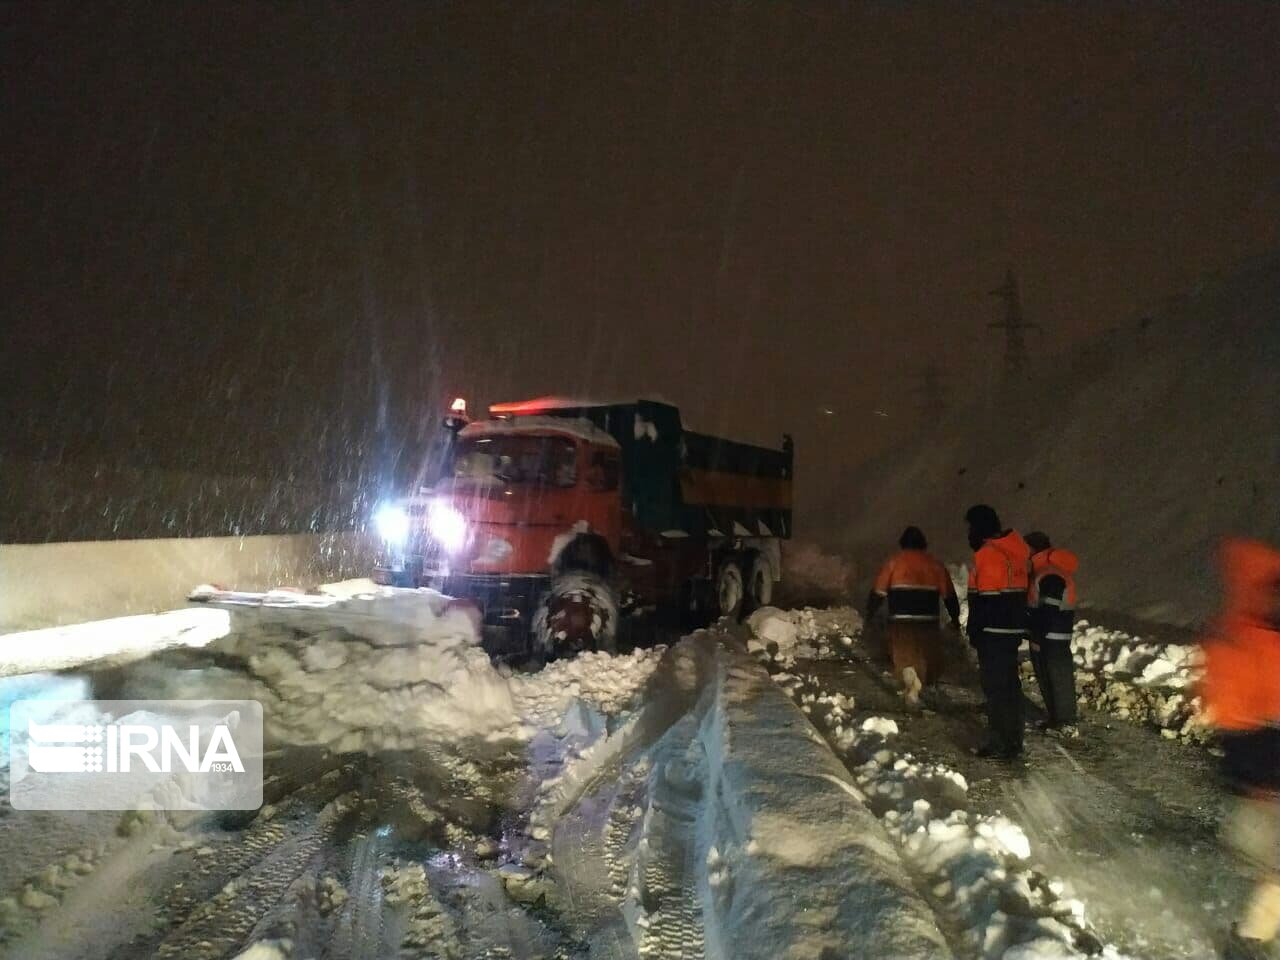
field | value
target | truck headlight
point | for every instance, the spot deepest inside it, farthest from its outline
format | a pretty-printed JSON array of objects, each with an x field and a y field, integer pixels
[
  {"x": 447, "y": 527},
  {"x": 392, "y": 524}
]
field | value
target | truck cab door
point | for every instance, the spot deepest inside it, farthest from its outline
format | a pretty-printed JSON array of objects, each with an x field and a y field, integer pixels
[{"x": 602, "y": 485}]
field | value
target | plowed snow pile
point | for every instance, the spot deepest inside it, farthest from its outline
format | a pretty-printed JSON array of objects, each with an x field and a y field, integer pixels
[{"x": 378, "y": 668}]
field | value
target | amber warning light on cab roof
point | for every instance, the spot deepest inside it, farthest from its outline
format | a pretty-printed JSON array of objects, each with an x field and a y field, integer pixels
[{"x": 537, "y": 405}]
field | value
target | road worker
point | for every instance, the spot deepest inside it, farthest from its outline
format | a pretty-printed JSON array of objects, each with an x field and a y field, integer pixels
[
  {"x": 997, "y": 624},
  {"x": 1051, "y": 606},
  {"x": 1241, "y": 697},
  {"x": 916, "y": 586}
]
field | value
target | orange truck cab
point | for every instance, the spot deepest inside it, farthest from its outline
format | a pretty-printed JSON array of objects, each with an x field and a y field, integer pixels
[{"x": 559, "y": 517}]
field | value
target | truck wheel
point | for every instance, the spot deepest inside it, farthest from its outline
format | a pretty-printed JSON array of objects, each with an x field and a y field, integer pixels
[
  {"x": 759, "y": 584},
  {"x": 578, "y": 614},
  {"x": 730, "y": 589},
  {"x": 697, "y": 604}
]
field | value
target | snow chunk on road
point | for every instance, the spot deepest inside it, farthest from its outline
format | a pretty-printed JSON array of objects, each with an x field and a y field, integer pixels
[
  {"x": 771, "y": 625},
  {"x": 881, "y": 725},
  {"x": 267, "y": 950},
  {"x": 785, "y": 636}
]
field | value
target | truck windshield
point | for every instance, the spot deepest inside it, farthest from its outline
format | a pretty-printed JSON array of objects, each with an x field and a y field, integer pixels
[{"x": 540, "y": 461}]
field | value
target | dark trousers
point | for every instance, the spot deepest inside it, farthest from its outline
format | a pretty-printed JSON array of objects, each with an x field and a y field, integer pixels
[
  {"x": 1056, "y": 675},
  {"x": 1002, "y": 685}
]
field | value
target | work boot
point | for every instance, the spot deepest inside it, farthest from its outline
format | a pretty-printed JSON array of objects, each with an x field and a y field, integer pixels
[
  {"x": 912, "y": 687},
  {"x": 1064, "y": 731},
  {"x": 992, "y": 750}
]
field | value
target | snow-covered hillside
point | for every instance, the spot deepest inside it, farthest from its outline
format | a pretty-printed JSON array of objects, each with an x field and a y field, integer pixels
[{"x": 1139, "y": 452}]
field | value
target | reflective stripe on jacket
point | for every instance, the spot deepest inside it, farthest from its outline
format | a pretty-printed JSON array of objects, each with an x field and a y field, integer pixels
[
  {"x": 1051, "y": 597},
  {"x": 914, "y": 583},
  {"x": 998, "y": 583}
]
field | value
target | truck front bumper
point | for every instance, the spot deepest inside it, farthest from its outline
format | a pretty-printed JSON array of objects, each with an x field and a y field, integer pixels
[{"x": 507, "y": 602}]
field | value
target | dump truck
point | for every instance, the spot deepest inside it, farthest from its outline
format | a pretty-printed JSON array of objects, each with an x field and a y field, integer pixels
[{"x": 560, "y": 517}]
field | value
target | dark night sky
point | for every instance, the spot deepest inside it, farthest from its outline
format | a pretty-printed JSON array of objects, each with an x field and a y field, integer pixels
[{"x": 248, "y": 215}]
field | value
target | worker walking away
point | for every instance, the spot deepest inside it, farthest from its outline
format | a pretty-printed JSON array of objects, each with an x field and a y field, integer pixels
[
  {"x": 1241, "y": 697},
  {"x": 997, "y": 624},
  {"x": 1051, "y": 614},
  {"x": 915, "y": 586}
]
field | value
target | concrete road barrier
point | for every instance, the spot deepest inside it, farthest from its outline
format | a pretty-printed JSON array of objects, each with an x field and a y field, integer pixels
[{"x": 51, "y": 584}]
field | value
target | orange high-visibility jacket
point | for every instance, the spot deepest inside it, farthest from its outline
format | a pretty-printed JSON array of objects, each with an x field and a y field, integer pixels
[
  {"x": 998, "y": 583},
  {"x": 1241, "y": 685},
  {"x": 1051, "y": 596},
  {"x": 914, "y": 582},
  {"x": 1054, "y": 562}
]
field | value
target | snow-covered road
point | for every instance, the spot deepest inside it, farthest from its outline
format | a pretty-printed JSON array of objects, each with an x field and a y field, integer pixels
[
  {"x": 660, "y": 803},
  {"x": 1121, "y": 821},
  {"x": 422, "y": 802}
]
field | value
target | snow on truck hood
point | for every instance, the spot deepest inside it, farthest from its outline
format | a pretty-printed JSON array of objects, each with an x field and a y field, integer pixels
[{"x": 577, "y": 427}]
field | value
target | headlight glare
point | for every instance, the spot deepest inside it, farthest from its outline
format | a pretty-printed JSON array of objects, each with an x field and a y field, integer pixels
[
  {"x": 392, "y": 524},
  {"x": 447, "y": 527}
]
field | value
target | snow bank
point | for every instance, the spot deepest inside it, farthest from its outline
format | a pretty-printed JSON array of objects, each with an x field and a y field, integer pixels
[
  {"x": 1121, "y": 674},
  {"x": 810, "y": 633},
  {"x": 607, "y": 682},
  {"x": 797, "y": 866},
  {"x": 385, "y": 671},
  {"x": 116, "y": 641},
  {"x": 976, "y": 868},
  {"x": 363, "y": 667}
]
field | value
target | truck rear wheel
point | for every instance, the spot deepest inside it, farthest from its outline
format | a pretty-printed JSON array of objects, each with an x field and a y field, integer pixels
[
  {"x": 759, "y": 584},
  {"x": 731, "y": 591},
  {"x": 578, "y": 614}
]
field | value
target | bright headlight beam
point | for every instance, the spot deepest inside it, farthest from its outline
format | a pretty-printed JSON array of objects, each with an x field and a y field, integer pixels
[
  {"x": 392, "y": 524},
  {"x": 448, "y": 527}
]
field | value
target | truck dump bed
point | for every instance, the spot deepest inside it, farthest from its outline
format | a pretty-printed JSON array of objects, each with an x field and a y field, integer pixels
[{"x": 682, "y": 483}]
